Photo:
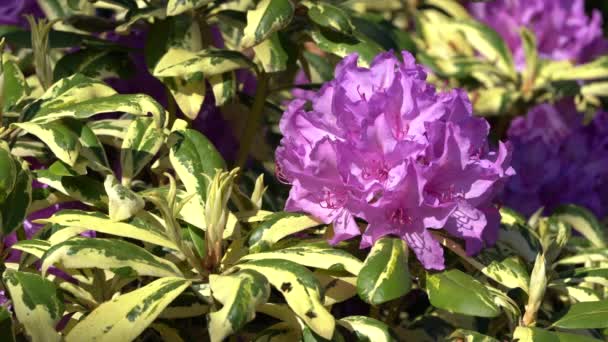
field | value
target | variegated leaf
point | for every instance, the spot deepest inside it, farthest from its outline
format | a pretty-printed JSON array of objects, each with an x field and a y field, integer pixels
[
  {"x": 59, "y": 138},
  {"x": 102, "y": 223},
  {"x": 97, "y": 63},
  {"x": 194, "y": 159},
  {"x": 336, "y": 288},
  {"x": 510, "y": 272},
  {"x": 385, "y": 275},
  {"x": 175, "y": 7},
  {"x": 341, "y": 47},
  {"x": 90, "y": 146},
  {"x": 34, "y": 247},
  {"x": 122, "y": 202},
  {"x": 136, "y": 104},
  {"x": 140, "y": 144},
  {"x": 37, "y": 304},
  {"x": 367, "y": 328},
  {"x": 66, "y": 92},
  {"x": 189, "y": 93},
  {"x": 111, "y": 128},
  {"x": 268, "y": 17},
  {"x": 126, "y": 316},
  {"x": 240, "y": 293},
  {"x": 583, "y": 221},
  {"x": 314, "y": 255},
  {"x": 107, "y": 254},
  {"x": 207, "y": 62},
  {"x": 81, "y": 188},
  {"x": 271, "y": 54},
  {"x": 327, "y": 15},
  {"x": 301, "y": 290},
  {"x": 223, "y": 86},
  {"x": 487, "y": 42},
  {"x": 277, "y": 226}
]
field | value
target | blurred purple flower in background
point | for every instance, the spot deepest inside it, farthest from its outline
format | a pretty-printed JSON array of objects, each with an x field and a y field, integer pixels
[
  {"x": 558, "y": 160},
  {"x": 382, "y": 145},
  {"x": 12, "y": 11},
  {"x": 562, "y": 28}
]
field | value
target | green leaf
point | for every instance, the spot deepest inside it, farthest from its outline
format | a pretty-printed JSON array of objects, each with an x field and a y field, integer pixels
[
  {"x": 15, "y": 87},
  {"x": 8, "y": 172},
  {"x": 271, "y": 54},
  {"x": 523, "y": 334},
  {"x": 583, "y": 221},
  {"x": 176, "y": 7},
  {"x": 140, "y": 144},
  {"x": 194, "y": 159},
  {"x": 15, "y": 207},
  {"x": 107, "y": 254},
  {"x": 470, "y": 336},
  {"x": 126, "y": 316},
  {"x": 102, "y": 223},
  {"x": 37, "y": 303},
  {"x": 329, "y": 16},
  {"x": 510, "y": 272},
  {"x": 458, "y": 292},
  {"x": 316, "y": 256},
  {"x": 277, "y": 226},
  {"x": 240, "y": 293},
  {"x": 268, "y": 17},
  {"x": 585, "y": 315},
  {"x": 58, "y": 137},
  {"x": 183, "y": 63},
  {"x": 301, "y": 290},
  {"x": 488, "y": 43},
  {"x": 367, "y": 329},
  {"x": 385, "y": 275},
  {"x": 6, "y": 325}
]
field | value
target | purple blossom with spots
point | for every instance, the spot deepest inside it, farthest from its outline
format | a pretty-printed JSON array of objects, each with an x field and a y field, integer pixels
[
  {"x": 562, "y": 28},
  {"x": 382, "y": 145},
  {"x": 559, "y": 160},
  {"x": 12, "y": 12}
]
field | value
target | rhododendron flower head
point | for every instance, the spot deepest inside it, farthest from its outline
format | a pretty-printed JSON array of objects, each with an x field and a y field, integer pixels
[
  {"x": 382, "y": 145},
  {"x": 562, "y": 28},
  {"x": 559, "y": 160}
]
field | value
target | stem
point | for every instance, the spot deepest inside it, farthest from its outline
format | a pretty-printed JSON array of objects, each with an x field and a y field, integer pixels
[{"x": 253, "y": 120}]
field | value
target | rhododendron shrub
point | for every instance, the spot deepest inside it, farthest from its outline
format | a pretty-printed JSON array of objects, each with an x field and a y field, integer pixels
[
  {"x": 382, "y": 144},
  {"x": 281, "y": 170}
]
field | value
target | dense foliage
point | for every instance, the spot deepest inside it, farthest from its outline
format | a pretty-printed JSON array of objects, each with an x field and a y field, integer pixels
[{"x": 284, "y": 170}]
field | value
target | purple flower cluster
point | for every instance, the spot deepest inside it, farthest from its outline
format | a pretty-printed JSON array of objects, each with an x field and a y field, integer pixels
[
  {"x": 12, "y": 11},
  {"x": 380, "y": 144},
  {"x": 558, "y": 160},
  {"x": 562, "y": 28}
]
